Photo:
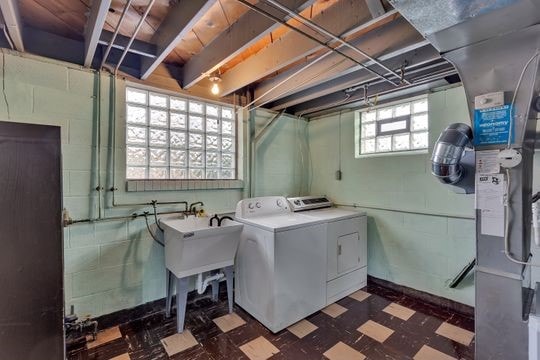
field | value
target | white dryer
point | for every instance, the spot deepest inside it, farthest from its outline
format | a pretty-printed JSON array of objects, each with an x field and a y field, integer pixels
[
  {"x": 346, "y": 232},
  {"x": 281, "y": 262}
]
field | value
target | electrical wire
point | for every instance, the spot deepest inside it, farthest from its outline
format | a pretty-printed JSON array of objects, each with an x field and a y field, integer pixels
[
  {"x": 507, "y": 227},
  {"x": 155, "y": 215},
  {"x": 150, "y": 231},
  {"x": 512, "y": 121},
  {"x": 339, "y": 143}
]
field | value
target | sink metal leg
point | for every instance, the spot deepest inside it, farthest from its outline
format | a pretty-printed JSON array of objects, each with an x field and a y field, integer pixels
[
  {"x": 230, "y": 277},
  {"x": 181, "y": 302},
  {"x": 215, "y": 288},
  {"x": 169, "y": 286}
]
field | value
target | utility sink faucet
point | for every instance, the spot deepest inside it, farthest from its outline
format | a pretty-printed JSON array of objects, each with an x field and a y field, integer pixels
[{"x": 192, "y": 206}]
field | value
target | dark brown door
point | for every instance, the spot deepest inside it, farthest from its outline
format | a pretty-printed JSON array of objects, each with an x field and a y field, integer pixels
[{"x": 31, "y": 249}]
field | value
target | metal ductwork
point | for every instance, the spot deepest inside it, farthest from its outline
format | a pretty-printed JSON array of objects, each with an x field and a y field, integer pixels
[
  {"x": 448, "y": 152},
  {"x": 494, "y": 45}
]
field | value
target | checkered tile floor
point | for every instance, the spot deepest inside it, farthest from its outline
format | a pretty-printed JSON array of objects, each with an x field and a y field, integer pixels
[{"x": 374, "y": 323}]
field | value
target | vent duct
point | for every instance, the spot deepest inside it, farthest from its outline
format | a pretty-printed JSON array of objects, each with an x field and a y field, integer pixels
[{"x": 450, "y": 162}]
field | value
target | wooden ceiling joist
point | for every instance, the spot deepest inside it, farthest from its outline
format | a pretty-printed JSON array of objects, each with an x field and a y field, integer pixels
[
  {"x": 366, "y": 36},
  {"x": 241, "y": 35},
  {"x": 180, "y": 20},
  {"x": 337, "y": 19},
  {"x": 414, "y": 55},
  {"x": 92, "y": 32},
  {"x": 12, "y": 22}
]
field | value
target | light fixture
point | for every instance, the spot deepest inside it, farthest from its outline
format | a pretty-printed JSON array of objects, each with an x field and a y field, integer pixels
[{"x": 215, "y": 79}]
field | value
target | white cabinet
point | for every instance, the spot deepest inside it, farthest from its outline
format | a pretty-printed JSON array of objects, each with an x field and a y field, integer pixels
[{"x": 347, "y": 257}]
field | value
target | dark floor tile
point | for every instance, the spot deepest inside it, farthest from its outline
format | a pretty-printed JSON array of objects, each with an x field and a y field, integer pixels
[
  {"x": 141, "y": 337},
  {"x": 222, "y": 348},
  {"x": 156, "y": 352}
]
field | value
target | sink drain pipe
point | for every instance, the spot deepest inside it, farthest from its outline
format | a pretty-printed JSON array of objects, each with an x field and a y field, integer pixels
[{"x": 201, "y": 284}]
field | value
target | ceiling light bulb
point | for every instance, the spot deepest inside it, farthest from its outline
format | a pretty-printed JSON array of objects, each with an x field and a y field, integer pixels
[{"x": 215, "y": 89}]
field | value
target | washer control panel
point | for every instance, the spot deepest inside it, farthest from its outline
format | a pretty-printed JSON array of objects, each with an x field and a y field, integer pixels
[{"x": 266, "y": 205}]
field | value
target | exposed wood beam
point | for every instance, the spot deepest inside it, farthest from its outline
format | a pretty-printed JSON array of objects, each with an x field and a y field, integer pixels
[
  {"x": 12, "y": 21},
  {"x": 98, "y": 14},
  {"x": 137, "y": 47},
  {"x": 415, "y": 55},
  {"x": 250, "y": 28},
  {"x": 375, "y": 8},
  {"x": 340, "y": 98},
  {"x": 179, "y": 21},
  {"x": 294, "y": 46},
  {"x": 380, "y": 35},
  {"x": 46, "y": 44}
]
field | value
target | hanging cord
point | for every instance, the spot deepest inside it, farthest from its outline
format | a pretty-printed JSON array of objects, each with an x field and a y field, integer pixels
[
  {"x": 339, "y": 143},
  {"x": 512, "y": 121},
  {"x": 150, "y": 231}
]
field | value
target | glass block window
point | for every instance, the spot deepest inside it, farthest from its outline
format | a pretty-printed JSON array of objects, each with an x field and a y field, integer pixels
[
  {"x": 398, "y": 128},
  {"x": 170, "y": 137}
]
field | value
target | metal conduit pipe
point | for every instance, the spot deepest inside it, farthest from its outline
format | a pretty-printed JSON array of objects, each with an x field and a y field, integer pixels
[
  {"x": 116, "y": 31},
  {"x": 447, "y": 153},
  {"x": 323, "y": 31},
  {"x": 284, "y": 23},
  {"x": 346, "y": 101},
  {"x": 139, "y": 25}
]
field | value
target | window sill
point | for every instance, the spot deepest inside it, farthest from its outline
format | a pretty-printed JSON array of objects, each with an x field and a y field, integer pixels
[
  {"x": 397, "y": 153},
  {"x": 182, "y": 185}
]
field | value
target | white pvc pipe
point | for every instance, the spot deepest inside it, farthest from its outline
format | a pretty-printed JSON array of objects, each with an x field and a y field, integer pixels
[{"x": 202, "y": 285}]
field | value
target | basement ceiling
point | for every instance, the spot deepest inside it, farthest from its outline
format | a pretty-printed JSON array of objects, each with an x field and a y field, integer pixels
[{"x": 300, "y": 55}]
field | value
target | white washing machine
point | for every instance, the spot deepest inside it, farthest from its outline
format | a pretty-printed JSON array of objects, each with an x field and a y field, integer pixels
[
  {"x": 281, "y": 273},
  {"x": 346, "y": 232}
]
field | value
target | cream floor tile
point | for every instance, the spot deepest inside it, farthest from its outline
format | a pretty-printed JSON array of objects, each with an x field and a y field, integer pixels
[
  {"x": 455, "y": 333},
  {"x": 375, "y": 331},
  {"x": 259, "y": 349},
  {"x": 334, "y": 310},
  {"x": 360, "y": 295},
  {"x": 302, "y": 328},
  {"x": 399, "y": 311},
  {"x": 178, "y": 342},
  {"x": 105, "y": 336},
  {"x": 429, "y": 353},
  {"x": 342, "y": 351},
  {"x": 122, "y": 357},
  {"x": 229, "y": 322}
]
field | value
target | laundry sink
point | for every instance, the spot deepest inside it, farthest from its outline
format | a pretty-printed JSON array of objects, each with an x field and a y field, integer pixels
[{"x": 192, "y": 246}]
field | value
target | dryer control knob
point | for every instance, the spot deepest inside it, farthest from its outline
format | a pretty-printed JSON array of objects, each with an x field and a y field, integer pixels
[
  {"x": 250, "y": 205},
  {"x": 279, "y": 203},
  {"x": 258, "y": 205}
]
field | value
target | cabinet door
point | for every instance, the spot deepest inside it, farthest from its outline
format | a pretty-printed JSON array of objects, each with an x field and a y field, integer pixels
[{"x": 348, "y": 252}]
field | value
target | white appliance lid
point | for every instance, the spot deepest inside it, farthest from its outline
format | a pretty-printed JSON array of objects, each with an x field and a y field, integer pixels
[
  {"x": 282, "y": 222},
  {"x": 330, "y": 214}
]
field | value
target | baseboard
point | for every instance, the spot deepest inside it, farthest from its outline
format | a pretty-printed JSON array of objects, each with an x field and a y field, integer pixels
[
  {"x": 146, "y": 309},
  {"x": 156, "y": 306},
  {"x": 441, "y": 302}
]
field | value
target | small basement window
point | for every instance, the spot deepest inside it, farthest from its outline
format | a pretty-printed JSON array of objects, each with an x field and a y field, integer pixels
[
  {"x": 398, "y": 128},
  {"x": 171, "y": 137}
]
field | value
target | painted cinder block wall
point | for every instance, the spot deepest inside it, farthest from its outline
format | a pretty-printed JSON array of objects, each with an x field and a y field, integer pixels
[
  {"x": 110, "y": 265},
  {"x": 407, "y": 244}
]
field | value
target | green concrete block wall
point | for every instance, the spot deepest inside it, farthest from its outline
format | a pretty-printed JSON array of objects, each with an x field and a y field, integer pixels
[
  {"x": 277, "y": 160},
  {"x": 421, "y": 251},
  {"x": 112, "y": 265}
]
